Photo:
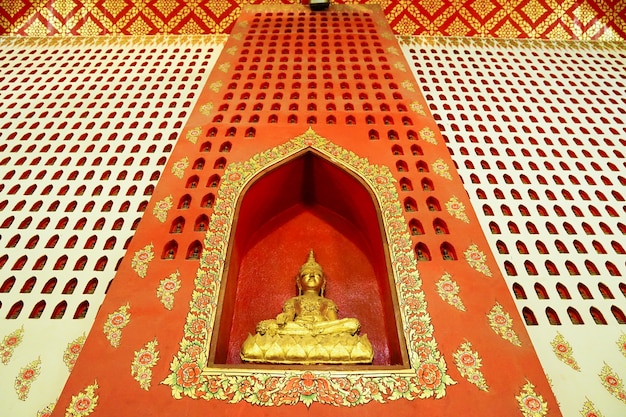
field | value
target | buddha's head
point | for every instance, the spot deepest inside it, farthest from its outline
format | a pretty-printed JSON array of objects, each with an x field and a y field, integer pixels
[{"x": 311, "y": 277}]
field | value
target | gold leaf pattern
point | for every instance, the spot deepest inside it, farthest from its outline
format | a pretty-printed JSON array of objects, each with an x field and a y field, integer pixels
[
  {"x": 167, "y": 288},
  {"x": 179, "y": 167},
  {"x": 448, "y": 290},
  {"x": 502, "y": 323},
  {"x": 613, "y": 383},
  {"x": 115, "y": 323},
  {"x": 427, "y": 135},
  {"x": 162, "y": 207},
  {"x": 206, "y": 109},
  {"x": 141, "y": 259},
  {"x": 442, "y": 169},
  {"x": 468, "y": 363},
  {"x": 72, "y": 351},
  {"x": 456, "y": 209},
  {"x": 563, "y": 350},
  {"x": 193, "y": 133},
  {"x": 26, "y": 377},
  {"x": 477, "y": 259},
  {"x": 84, "y": 403},
  {"x": 530, "y": 403},
  {"x": 9, "y": 343},
  {"x": 589, "y": 410},
  {"x": 143, "y": 362}
]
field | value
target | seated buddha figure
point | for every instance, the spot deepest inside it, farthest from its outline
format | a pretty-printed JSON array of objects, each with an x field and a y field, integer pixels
[{"x": 308, "y": 330}]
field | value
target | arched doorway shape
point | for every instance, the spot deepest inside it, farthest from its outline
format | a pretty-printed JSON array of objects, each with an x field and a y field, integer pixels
[{"x": 213, "y": 272}]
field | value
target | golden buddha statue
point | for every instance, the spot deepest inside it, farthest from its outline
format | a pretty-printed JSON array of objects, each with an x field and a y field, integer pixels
[{"x": 308, "y": 331}]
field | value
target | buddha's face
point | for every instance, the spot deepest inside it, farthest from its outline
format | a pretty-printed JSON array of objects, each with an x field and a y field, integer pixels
[{"x": 311, "y": 279}]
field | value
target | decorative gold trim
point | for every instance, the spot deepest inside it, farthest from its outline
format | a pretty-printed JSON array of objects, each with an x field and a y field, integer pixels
[{"x": 426, "y": 376}]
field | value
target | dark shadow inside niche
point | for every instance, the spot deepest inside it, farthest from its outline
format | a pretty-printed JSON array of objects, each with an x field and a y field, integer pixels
[{"x": 306, "y": 203}]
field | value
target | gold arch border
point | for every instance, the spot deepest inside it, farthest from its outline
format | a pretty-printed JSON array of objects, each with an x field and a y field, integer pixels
[{"x": 427, "y": 376}]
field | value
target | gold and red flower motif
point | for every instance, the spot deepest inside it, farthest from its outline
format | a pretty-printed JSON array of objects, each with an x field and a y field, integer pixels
[
  {"x": 589, "y": 410},
  {"x": 141, "y": 259},
  {"x": 145, "y": 359},
  {"x": 468, "y": 363},
  {"x": 47, "y": 411},
  {"x": 72, "y": 351},
  {"x": 26, "y": 377},
  {"x": 427, "y": 135},
  {"x": 115, "y": 323},
  {"x": 167, "y": 288},
  {"x": 9, "y": 343},
  {"x": 418, "y": 108},
  {"x": 502, "y": 323},
  {"x": 456, "y": 209},
  {"x": 530, "y": 403},
  {"x": 408, "y": 86},
  {"x": 188, "y": 376},
  {"x": 206, "y": 109},
  {"x": 179, "y": 167},
  {"x": 161, "y": 208},
  {"x": 193, "y": 134},
  {"x": 448, "y": 290},
  {"x": 563, "y": 351},
  {"x": 442, "y": 169},
  {"x": 613, "y": 383},
  {"x": 477, "y": 259},
  {"x": 216, "y": 86},
  {"x": 621, "y": 344},
  {"x": 84, "y": 403}
]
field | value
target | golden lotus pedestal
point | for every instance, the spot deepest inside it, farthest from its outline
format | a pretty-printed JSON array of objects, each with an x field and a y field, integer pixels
[{"x": 320, "y": 349}]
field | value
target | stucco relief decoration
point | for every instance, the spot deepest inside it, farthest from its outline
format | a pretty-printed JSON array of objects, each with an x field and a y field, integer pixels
[
  {"x": 72, "y": 351},
  {"x": 613, "y": 383},
  {"x": 141, "y": 259},
  {"x": 179, "y": 167},
  {"x": 590, "y": 410},
  {"x": 563, "y": 350},
  {"x": 456, "y": 209},
  {"x": 162, "y": 207},
  {"x": 502, "y": 323},
  {"x": 189, "y": 375},
  {"x": 46, "y": 411},
  {"x": 469, "y": 363},
  {"x": 530, "y": 403},
  {"x": 167, "y": 288},
  {"x": 143, "y": 362},
  {"x": 418, "y": 108},
  {"x": 84, "y": 403},
  {"x": 26, "y": 377},
  {"x": 621, "y": 344},
  {"x": 442, "y": 169},
  {"x": 9, "y": 343},
  {"x": 427, "y": 135},
  {"x": 206, "y": 109},
  {"x": 193, "y": 134},
  {"x": 448, "y": 290},
  {"x": 115, "y": 323},
  {"x": 477, "y": 259}
]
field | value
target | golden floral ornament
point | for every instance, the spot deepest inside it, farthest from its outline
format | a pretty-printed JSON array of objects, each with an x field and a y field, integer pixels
[
  {"x": 167, "y": 288},
  {"x": 162, "y": 207},
  {"x": 216, "y": 86},
  {"x": 399, "y": 66},
  {"x": 72, "y": 351},
  {"x": 224, "y": 67},
  {"x": 442, "y": 169},
  {"x": 392, "y": 50},
  {"x": 448, "y": 290},
  {"x": 427, "y": 135},
  {"x": 115, "y": 323},
  {"x": 469, "y": 363},
  {"x": 418, "y": 108},
  {"x": 191, "y": 377},
  {"x": 143, "y": 362},
  {"x": 9, "y": 343},
  {"x": 84, "y": 403},
  {"x": 530, "y": 403},
  {"x": 456, "y": 209},
  {"x": 589, "y": 409},
  {"x": 408, "y": 86},
  {"x": 621, "y": 344},
  {"x": 502, "y": 323},
  {"x": 179, "y": 167},
  {"x": 46, "y": 411},
  {"x": 477, "y": 259},
  {"x": 206, "y": 109},
  {"x": 141, "y": 259},
  {"x": 194, "y": 133},
  {"x": 613, "y": 383},
  {"x": 563, "y": 350},
  {"x": 26, "y": 377}
]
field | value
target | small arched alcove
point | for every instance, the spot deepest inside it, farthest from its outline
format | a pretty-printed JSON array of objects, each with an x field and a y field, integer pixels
[{"x": 307, "y": 202}]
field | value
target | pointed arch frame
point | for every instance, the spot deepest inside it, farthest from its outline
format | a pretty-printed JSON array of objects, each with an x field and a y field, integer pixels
[{"x": 425, "y": 378}]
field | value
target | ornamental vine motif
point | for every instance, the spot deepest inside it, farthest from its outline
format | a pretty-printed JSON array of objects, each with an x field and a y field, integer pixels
[
  {"x": 167, "y": 288},
  {"x": 162, "y": 207},
  {"x": 502, "y": 323},
  {"x": 468, "y": 363},
  {"x": 456, "y": 209},
  {"x": 448, "y": 290},
  {"x": 26, "y": 377},
  {"x": 613, "y": 383},
  {"x": 115, "y": 323},
  {"x": 141, "y": 259},
  {"x": 563, "y": 350},
  {"x": 9, "y": 343},
  {"x": 72, "y": 351},
  {"x": 143, "y": 362},
  {"x": 189, "y": 377},
  {"x": 530, "y": 403},
  {"x": 477, "y": 259},
  {"x": 83, "y": 403}
]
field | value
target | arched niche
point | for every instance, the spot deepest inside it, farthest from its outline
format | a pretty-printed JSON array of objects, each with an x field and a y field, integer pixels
[{"x": 307, "y": 202}]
